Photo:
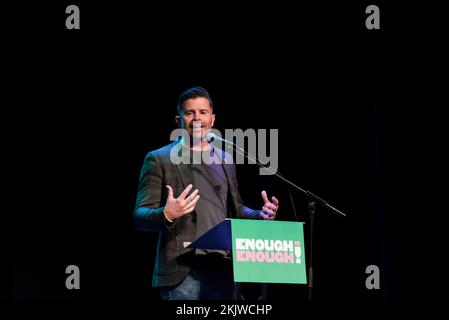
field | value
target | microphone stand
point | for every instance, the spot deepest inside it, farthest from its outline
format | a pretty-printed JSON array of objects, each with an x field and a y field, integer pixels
[{"x": 313, "y": 201}]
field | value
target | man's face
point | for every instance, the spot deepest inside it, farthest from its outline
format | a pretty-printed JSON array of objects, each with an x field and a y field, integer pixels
[{"x": 197, "y": 109}]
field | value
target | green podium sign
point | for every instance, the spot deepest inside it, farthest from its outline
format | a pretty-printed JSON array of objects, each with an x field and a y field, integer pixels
[
  {"x": 262, "y": 251},
  {"x": 268, "y": 251}
]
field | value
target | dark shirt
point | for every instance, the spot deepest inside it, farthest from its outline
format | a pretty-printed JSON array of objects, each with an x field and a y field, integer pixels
[{"x": 212, "y": 207}]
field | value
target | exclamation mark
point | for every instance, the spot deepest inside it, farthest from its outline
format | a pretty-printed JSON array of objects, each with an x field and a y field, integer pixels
[{"x": 298, "y": 254}]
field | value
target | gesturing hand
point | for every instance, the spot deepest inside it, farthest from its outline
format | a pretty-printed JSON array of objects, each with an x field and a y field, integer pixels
[
  {"x": 269, "y": 208},
  {"x": 177, "y": 207}
]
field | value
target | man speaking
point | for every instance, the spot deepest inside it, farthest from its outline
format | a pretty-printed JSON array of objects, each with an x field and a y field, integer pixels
[{"x": 182, "y": 201}]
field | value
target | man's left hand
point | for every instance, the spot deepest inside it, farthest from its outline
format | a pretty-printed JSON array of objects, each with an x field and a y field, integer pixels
[{"x": 269, "y": 208}]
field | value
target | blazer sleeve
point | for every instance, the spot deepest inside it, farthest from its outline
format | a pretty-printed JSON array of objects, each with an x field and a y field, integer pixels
[{"x": 148, "y": 213}]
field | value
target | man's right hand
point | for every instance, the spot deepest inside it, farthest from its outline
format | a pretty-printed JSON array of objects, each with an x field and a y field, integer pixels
[{"x": 177, "y": 207}]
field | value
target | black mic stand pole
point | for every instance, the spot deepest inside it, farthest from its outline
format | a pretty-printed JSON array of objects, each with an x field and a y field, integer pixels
[{"x": 313, "y": 200}]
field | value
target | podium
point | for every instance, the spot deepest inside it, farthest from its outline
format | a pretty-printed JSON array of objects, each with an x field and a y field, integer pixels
[{"x": 262, "y": 251}]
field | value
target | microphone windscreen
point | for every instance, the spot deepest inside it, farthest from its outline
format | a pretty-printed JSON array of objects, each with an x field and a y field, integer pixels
[{"x": 210, "y": 136}]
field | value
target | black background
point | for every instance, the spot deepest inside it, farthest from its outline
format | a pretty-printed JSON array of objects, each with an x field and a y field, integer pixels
[{"x": 359, "y": 124}]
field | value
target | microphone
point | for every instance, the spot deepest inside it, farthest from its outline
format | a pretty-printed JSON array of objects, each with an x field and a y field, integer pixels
[{"x": 210, "y": 137}]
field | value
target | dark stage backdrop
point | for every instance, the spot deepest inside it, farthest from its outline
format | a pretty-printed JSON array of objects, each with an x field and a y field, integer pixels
[{"x": 354, "y": 127}]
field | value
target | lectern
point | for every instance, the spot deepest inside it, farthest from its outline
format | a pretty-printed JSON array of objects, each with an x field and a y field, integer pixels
[{"x": 262, "y": 251}]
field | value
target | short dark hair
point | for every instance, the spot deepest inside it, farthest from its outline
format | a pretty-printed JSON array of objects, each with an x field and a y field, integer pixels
[{"x": 192, "y": 93}]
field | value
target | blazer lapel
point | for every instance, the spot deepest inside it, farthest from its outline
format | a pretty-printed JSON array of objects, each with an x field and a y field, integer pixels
[
  {"x": 183, "y": 167},
  {"x": 186, "y": 174}
]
